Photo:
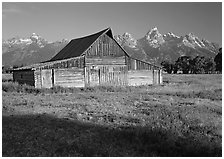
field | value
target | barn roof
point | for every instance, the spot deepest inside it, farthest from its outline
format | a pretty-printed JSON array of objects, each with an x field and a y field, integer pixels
[{"x": 78, "y": 46}]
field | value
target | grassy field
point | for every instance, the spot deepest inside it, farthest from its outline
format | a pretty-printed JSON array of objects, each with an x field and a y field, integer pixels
[{"x": 181, "y": 118}]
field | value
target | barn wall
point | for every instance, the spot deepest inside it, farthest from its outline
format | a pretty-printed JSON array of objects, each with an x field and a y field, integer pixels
[
  {"x": 106, "y": 75},
  {"x": 43, "y": 78},
  {"x": 24, "y": 77},
  {"x": 140, "y": 77},
  {"x": 105, "y": 46},
  {"x": 70, "y": 77},
  {"x": 105, "y": 63},
  {"x": 37, "y": 75},
  {"x": 161, "y": 76}
]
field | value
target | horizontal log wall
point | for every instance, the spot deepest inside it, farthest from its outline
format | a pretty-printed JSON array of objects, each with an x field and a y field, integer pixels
[
  {"x": 69, "y": 63},
  {"x": 71, "y": 77},
  {"x": 105, "y": 46},
  {"x": 140, "y": 77},
  {"x": 105, "y": 61},
  {"x": 24, "y": 77}
]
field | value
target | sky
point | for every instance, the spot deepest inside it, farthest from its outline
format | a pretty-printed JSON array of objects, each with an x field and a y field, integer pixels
[{"x": 68, "y": 20}]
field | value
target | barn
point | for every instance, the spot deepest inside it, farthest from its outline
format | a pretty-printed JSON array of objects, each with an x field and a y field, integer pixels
[{"x": 89, "y": 61}]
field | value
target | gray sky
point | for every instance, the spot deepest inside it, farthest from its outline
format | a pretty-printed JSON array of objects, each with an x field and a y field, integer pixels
[{"x": 55, "y": 21}]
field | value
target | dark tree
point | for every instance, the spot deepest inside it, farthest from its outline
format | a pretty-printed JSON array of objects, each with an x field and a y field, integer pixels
[
  {"x": 198, "y": 65},
  {"x": 218, "y": 61},
  {"x": 209, "y": 66},
  {"x": 168, "y": 66},
  {"x": 184, "y": 64},
  {"x": 175, "y": 68}
]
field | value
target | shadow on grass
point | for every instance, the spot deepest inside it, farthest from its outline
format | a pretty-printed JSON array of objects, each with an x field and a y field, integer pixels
[{"x": 44, "y": 135}]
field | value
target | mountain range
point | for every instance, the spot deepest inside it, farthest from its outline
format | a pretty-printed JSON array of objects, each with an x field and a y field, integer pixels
[
  {"x": 153, "y": 47},
  {"x": 25, "y": 51}
]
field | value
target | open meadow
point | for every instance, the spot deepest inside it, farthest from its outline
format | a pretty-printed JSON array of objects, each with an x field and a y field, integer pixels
[{"x": 183, "y": 117}]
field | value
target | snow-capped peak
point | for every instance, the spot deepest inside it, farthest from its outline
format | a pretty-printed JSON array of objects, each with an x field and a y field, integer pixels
[
  {"x": 34, "y": 36},
  {"x": 127, "y": 35},
  {"x": 152, "y": 32},
  {"x": 172, "y": 35},
  {"x": 126, "y": 39},
  {"x": 154, "y": 28},
  {"x": 154, "y": 38},
  {"x": 193, "y": 39}
]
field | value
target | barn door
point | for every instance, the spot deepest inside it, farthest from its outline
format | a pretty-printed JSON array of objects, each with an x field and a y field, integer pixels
[
  {"x": 94, "y": 79},
  {"x": 47, "y": 78}
]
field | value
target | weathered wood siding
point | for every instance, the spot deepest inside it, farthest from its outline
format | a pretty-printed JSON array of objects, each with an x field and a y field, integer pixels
[
  {"x": 134, "y": 64},
  {"x": 106, "y": 75},
  {"x": 43, "y": 78},
  {"x": 70, "y": 77},
  {"x": 105, "y": 63},
  {"x": 140, "y": 77},
  {"x": 157, "y": 77},
  {"x": 47, "y": 78},
  {"x": 24, "y": 77},
  {"x": 105, "y": 46},
  {"x": 68, "y": 63},
  {"x": 161, "y": 76},
  {"x": 38, "y": 81}
]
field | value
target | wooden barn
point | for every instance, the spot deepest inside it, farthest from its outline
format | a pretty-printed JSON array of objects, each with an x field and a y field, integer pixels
[{"x": 92, "y": 60}]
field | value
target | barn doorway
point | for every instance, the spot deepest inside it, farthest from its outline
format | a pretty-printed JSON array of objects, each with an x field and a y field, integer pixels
[
  {"x": 47, "y": 78},
  {"x": 94, "y": 74}
]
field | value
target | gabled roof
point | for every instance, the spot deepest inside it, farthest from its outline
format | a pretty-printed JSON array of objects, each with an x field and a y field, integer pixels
[{"x": 78, "y": 46}]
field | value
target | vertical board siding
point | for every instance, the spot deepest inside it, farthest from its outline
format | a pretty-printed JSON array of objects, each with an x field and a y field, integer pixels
[
  {"x": 105, "y": 46},
  {"x": 156, "y": 77},
  {"x": 24, "y": 77},
  {"x": 106, "y": 75},
  {"x": 140, "y": 77},
  {"x": 71, "y": 77},
  {"x": 46, "y": 78},
  {"x": 38, "y": 81},
  {"x": 161, "y": 76}
]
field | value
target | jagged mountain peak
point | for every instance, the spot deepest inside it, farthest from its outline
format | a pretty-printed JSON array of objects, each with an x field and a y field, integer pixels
[
  {"x": 170, "y": 46},
  {"x": 191, "y": 35},
  {"x": 154, "y": 28},
  {"x": 171, "y": 34},
  {"x": 33, "y": 49},
  {"x": 128, "y": 36},
  {"x": 154, "y": 38},
  {"x": 152, "y": 32},
  {"x": 35, "y": 36},
  {"x": 126, "y": 39}
]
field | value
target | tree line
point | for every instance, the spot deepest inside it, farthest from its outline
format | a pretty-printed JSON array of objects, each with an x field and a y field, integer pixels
[{"x": 196, "y": 65}]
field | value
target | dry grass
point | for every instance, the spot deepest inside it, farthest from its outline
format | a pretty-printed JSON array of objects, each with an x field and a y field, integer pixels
[{"x": 180, "y": 118}]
